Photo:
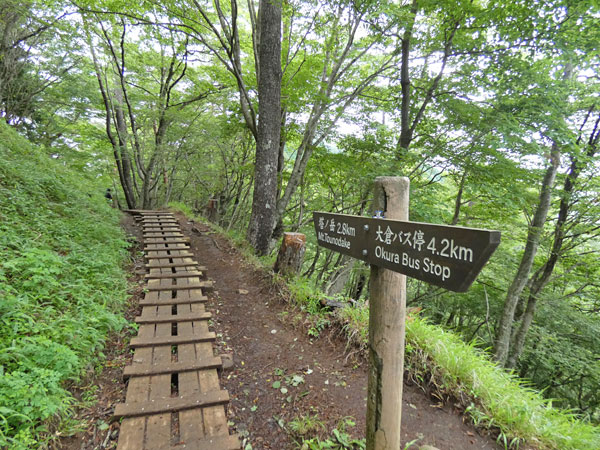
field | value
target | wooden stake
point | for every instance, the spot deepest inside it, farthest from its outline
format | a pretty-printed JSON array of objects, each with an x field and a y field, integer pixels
[{"x": 387, "y": 314}]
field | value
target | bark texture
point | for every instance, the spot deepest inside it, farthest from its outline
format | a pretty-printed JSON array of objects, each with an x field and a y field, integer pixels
[{"x": 262, "y": 220}]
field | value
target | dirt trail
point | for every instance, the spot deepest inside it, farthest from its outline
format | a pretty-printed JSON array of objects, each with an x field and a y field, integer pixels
[{"x": 254, "y": 325}]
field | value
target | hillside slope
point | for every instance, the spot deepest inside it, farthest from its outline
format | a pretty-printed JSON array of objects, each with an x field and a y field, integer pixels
[{"x": 61, "y": 284}]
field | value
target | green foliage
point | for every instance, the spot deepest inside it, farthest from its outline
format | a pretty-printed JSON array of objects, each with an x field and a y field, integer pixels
[
  {"x": 306, "y": 297},
  {"x": 496, "y": 398},
  {"x": 61, "y": 283},
  {"x": 353, "y": 319},
  {"x": 339, "y": 438},
  {"x": 303, "y": 425}
]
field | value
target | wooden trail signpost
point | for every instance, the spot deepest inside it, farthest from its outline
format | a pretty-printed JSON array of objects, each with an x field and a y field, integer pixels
[{"x": 446, "y": 256}]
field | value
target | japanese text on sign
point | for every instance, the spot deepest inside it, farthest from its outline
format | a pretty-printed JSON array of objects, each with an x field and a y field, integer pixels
[{"x": 446, "y": 256}]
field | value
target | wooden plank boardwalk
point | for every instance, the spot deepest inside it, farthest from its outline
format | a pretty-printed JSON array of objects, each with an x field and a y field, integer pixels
[{"x": 174, "y": 400}]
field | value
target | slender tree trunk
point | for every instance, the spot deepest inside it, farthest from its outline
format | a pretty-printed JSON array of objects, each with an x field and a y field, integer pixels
[
  {"x": 121, "y": 127},
  {"x": 541, "y": 278},
  {"x": 264, "y": 200},
  {"x": 338, "y": 279},
  {"x": 458, "y": 202},
  {"x": 504, "y": 328},
  {"x": 313, "y": 264},
  {"x": 406, "y": 134}
]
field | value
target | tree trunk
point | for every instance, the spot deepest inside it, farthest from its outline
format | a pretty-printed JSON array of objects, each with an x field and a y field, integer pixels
[
  {"x": 541, "y": 278},
  {"x": 121, "y": 127},
  {"x": 458, "y": 201},
  {"x": 406, "y": 133},
  {"x": 340, "y": 277},
  {"x": 264, "y": 199},
  {"x": 504, "y": 328}
]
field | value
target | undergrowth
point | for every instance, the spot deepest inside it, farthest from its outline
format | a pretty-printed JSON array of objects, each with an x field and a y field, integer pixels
[
  {"x": 61, "y": 284},
  {"x": 441, "y": 362}
]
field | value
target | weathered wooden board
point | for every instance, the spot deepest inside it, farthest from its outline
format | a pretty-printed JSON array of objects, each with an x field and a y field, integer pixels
[
  {"x": 178, "y": 367},
  {"x": 171, "y": 404},
  {"x": 174, "y": 318},
  {"x": 191, "y": 274},
  {"x": 178, "y": 255},
  {"x": 178, "y": 287},
  {"x": 446, "y": 256}
]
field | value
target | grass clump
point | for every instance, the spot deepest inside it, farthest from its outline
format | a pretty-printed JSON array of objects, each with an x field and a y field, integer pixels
[
  {"x": 493, "y": 397},
  {"x": 61, "y": 284}
]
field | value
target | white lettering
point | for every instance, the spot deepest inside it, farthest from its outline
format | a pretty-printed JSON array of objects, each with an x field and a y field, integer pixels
[
  {"x": 413, "y": 263},
  {"x": 339, "y": 242},
  {"x": 382, "y": 253},
  {"x": 436, "y": 269}
]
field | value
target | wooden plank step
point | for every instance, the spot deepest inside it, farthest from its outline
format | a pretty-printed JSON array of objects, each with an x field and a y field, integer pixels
[
  {"x": 211, "y": 443},
  {"x": 138, "y": 342},
  {"x": 165, "y": 246},
  {"x": 166, "y": 405},
  {"x": 180, "y": 246},
  {"x": 174, "y": 301},
  {"x": 146, "y": 211},
  {"x": 177, "y": 287},
  {"x": 155, "y": 247},
  {"x": 167, "y": 240},
  {"x": 158, "y": 217},
  {"x": 164, "y": 236},
  {"x": 156, "y": 229},
  {"x": 158, "y": 276},
  {"x": 177, "y": 264},
  {"x": 177, "y": 318},
  {"x": 160, "y": 225},
  {"x": 140, "y": 370},
  {"x": 149, "y": 222},
  {"x": 186, "y": 255}
]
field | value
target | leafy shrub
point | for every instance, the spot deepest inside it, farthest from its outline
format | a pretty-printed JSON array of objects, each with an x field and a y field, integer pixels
[{"x": 61, "y": 284}]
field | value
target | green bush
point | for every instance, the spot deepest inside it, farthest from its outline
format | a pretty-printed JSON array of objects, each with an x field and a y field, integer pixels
[{"x": 61, "y": 283}]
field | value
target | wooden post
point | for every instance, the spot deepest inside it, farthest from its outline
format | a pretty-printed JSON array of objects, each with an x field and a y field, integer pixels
[
  {"x": 291, "y": 254},
  {"x": 387, "y": 314}
]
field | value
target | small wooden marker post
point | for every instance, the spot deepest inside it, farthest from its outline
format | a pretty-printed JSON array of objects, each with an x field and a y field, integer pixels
[
  {"x": 446, "y": 256},
  {"x": 387, "y": 315}
]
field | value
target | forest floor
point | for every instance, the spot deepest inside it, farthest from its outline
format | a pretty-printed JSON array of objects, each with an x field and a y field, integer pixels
[{"x": 279, "y": 373}]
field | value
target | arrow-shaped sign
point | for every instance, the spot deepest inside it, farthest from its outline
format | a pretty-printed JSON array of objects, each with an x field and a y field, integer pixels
[{"x": 446, "y": 256}]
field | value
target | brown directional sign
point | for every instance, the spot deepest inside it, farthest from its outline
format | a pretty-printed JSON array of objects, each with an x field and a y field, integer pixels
[{"x": 446, "y": 256}]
